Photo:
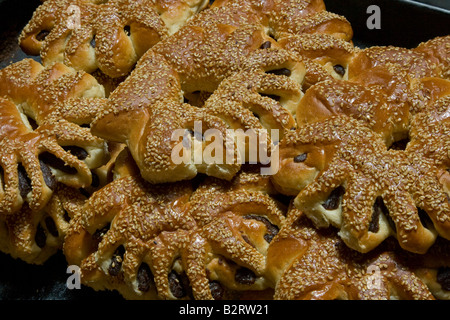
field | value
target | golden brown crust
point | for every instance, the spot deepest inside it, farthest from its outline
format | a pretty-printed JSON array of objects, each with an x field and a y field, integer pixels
[
  {"x": 358, "y": 186},
  {"x": 436, "y": 51},
  {"x": 34, "y": 236},
  {"x": 320, "y": 267},
  {"x": 237, "y": 33},
  {"x": 331, "y": 54},
  {"x": 110, "y": 36},
  {"x": 176, "y": 245},
  {"x": 40, "y": 146}
]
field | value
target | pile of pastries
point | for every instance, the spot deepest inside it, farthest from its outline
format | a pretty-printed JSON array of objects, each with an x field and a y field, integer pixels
[{"x": 358, "y": 208}]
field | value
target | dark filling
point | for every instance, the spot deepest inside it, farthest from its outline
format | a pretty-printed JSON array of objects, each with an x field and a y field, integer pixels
[
  {"x": 66, "y": 216},
  {"x": 95, "y": 180},
  {"x": 84, "y": 192},
  {"x": 378, "y": 209},
  {"x": 443, "y": 278},
  {"x": 256, "y": 115},
  {"x": 54, "y": 162},
  {"x": 49, "y": 178},
  {"x": 266, "y": 45},
  {"x": 335, "y": 198},
  {"x": 32, "y": 123},
  {"x": 24, "y": 181},
  {"x": 340, "y": 70},
  {"x": 176, "y": 285},
  {"x": 271, "y": 96},
  {"x": 42, "y": 35},
  {"x": 145, "y": 278},
  {"x": 272, "y": 230},
  {"x": 116, "y": 261},
  {"x": 92, "y": 43},
  {"x": 197, "y": 135},
  {"x": 40, "y": 237},
  {"x": 78, "y": 152},
  {"x": 98, "y": 235},
  {"x": 280, "y": 72},
  {"x": 127, "y": 30},
  {"x": 217, "y": 290},
  {"x": 51, "y": 226},
  {"x": 300, "y": 158},
  {"x": 400, "y": 144},
  {"x": 245, "y": 276}
]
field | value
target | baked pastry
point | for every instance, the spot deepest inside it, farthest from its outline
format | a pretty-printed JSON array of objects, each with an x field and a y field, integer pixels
[
  {"x": 39, "y": 146},
  {"x": 428, "y": 135},
  {"x": 227, "y": 254},
  {"x": 168, "y": 242},
  {"x": 111, "y": 36},
  {"x": 182, "y": 66},
  {"x": 343, "y": 176},
  {"x": 386, "y": 87},
  {"x": 35, "y": 235},
  {"x": 320, "y": 267},
  {"x": 158, "y": 108},
  {"x": 432, "y": 268},
  {"x": 110, "y": 240}
]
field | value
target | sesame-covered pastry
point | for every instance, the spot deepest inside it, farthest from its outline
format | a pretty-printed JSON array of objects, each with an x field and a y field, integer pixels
[
  {"x": 152, "y": 100},
  {"x": 168, "y": 242},
  {"x": 110, "y": 36},
  {"x": 236, "y": 224},
  {"x": 307, "y": 17},
  {"x": 436, "y": 51},
  {"x": 343, "y": 176},
  {"x": 325, "y": 56},
  {"x": 39, "y": 145},
  {"x": 192, "y": 64},
  {"x": 318, "y": 266},
  {"x": 34, "y": 236}
]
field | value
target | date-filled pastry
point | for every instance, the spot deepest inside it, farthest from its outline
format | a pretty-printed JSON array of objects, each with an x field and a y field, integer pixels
[
  {"x": 110, "y": 36},
  {"x": 41, "y": 141},
  {"x": 343, "y": 175},
  {"x": 35, "y": 235},
  {"x": 161, "y": 79},
  {"x": 312, "y": 264}
]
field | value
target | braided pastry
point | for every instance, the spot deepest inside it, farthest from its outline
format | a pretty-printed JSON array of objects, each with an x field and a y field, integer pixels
[
  {"x": 34, "y": 236},
  {"x": 110, "y": 36},
  {"x": 436, "y": 51},
  {"x": 39, "y": 145},
  {"x": 345, "y": 176}
]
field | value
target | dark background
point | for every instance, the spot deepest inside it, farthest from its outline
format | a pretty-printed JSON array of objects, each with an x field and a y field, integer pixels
[{"x": 403, "y": 23}]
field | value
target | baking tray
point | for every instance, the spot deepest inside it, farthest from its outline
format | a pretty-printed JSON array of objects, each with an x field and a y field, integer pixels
[{"x": 403, "y": 23}]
